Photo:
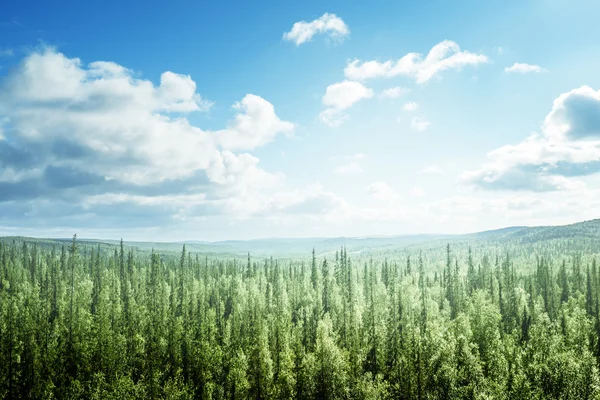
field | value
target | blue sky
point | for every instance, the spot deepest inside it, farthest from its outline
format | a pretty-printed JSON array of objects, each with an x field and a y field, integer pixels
[{"x": 236, "y": 120}]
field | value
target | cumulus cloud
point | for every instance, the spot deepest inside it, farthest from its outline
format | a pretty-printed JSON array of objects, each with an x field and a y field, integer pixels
[
  {"x": 419, "y": 124},
  {"x": 329, "y": 24},
  {"x": 241, "y": 172},
  {"x": 574, "y": 115},
  {"x": 341, "y": 96},
  {"x": 523, "y": 68},
  {"x": 332, "y": 117},
  {"x": 255, "y": 125},
  {"x": 445, "y": 55},
  {"x": 567, "y": 148},
  {"x": 344, "y": 94},
  {"x": 176, "y": 92},
  {"x": 393, "y": 92},
  {"x": 72, "y": 130}
]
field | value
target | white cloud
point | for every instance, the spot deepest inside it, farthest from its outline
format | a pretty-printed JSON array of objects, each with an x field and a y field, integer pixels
[
  {"x": 419, "y": 123},
  {"x": 332, "y": 117},
  {"x": 328, "y": 23},
  {"x": 523, "y": 68},
  {"x": 567, "y": 148},
  {"x": 341, "y": 96},
  {"x": 119, "y": 198},
  {"x": 410, "y": 106},
  {"x": 99, "y": 123},
  {"x": 574, "y": 115},
  {"x": 48, "y": 76},
  {"x": 393, "y": 92},
  {"x": 100, "y": 119},
  {"x": 177, "y": 93},
  {"x": 255, "y": 125},
  {"x": 344, "y": 94},
  {"x": 241, "y": 172},
  {"x": 443, "y": 56}
]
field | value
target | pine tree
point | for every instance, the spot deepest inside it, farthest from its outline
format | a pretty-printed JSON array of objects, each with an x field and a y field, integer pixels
[
  {"x": 589, "y": 300},
  {"x": 471, "y": 276},
  {"x": 564, "y": 283}
]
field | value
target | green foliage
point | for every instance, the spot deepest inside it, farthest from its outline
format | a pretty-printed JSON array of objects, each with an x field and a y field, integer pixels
[{"x": 470, "y": 320}]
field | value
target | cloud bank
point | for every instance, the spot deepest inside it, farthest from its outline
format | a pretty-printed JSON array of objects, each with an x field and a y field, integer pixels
[{"x": 91, "y": 139}]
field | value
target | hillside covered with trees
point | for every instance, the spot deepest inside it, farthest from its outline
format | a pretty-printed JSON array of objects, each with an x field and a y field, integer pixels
[
  {"x": 579, "y": 236},
  {"x": 438, "y": 322}
]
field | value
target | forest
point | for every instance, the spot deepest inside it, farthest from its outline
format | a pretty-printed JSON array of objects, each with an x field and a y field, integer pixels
[{"x": 460, "y": 320}]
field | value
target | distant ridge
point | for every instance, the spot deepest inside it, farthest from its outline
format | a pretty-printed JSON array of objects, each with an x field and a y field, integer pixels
[
  {"x": 301, "y": 246},
  {"x": 501, "y": 231}
]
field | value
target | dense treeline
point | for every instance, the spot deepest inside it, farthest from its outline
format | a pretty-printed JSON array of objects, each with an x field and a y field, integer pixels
[{"x": 101, "y": 324}]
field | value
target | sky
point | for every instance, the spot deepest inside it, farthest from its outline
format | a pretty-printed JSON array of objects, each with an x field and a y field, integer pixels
[{"x": 206, "y": 120}]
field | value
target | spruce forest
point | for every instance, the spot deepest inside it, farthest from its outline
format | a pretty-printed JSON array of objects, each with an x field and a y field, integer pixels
[
  {"x": 507, "y": 316},
  {"x": 300, "y": 200}
]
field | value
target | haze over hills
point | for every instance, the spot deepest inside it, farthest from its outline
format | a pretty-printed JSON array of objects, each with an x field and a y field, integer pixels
[{"x": 586, "y": 230}]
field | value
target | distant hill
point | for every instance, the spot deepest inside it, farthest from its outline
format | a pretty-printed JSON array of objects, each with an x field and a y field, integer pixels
[
  {"x": 581, "y": 231},
  {"x": 261, "y": 247},
  {"x": 502, "y": 232}
]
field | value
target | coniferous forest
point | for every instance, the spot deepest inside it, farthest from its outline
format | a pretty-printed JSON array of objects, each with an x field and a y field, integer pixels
[{"x": 448, "y": 321}]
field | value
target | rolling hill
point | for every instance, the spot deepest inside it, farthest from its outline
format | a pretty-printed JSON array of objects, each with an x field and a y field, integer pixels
[{"x": 585, "y": 231}]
